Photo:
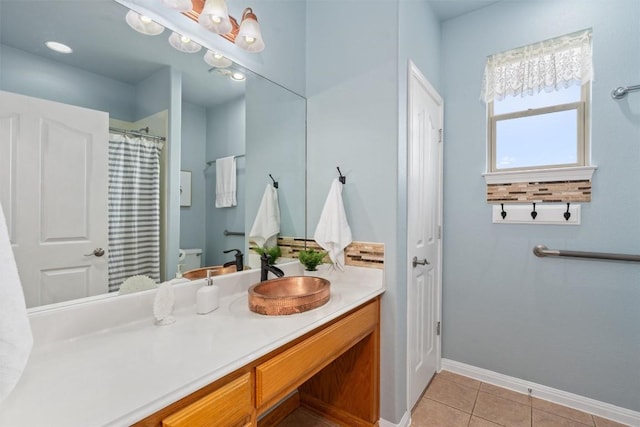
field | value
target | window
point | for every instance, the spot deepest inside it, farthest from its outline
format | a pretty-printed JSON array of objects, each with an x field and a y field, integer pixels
[
  {"x": 537, "y": 103},
  {"x": 539, "y": 131}
]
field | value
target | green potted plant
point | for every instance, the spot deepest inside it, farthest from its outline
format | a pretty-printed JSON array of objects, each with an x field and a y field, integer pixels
[
  {"x": 311, "y": 259},
  {"x": 274, "y": 253}
]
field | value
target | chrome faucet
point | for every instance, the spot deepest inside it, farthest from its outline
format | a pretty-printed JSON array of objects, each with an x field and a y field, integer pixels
[
  {"x": 265, "y": 268},
  {"x": 239, "y": 261}
]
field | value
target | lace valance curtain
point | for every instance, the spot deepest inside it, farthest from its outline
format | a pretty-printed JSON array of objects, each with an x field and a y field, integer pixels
[{"x": 548, "y": 65}]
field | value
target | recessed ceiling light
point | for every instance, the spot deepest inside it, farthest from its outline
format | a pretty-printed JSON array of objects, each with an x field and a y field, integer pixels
[
  {"x": 237, "y": 76},
  {"x": 58, "y": 47}
]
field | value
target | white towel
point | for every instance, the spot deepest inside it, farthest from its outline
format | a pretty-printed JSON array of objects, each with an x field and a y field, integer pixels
[
  {"x": 267, "y": 223},
  {"x": 333, "y": 232},
  {"x": 226, "y": 182},
  {"x": 15, "y": 331}
]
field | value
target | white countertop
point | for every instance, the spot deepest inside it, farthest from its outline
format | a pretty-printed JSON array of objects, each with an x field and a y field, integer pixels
[{"x": 117, "y": 374}]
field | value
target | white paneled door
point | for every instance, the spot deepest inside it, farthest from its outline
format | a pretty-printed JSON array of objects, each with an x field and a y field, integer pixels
[
  {"x": 54, "y": 188},
  {"x": 424, "y": 247}
]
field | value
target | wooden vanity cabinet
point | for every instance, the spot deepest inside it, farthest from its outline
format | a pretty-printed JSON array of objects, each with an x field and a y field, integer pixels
[
  {"x": 227, "y": 402},
  {"x": 230, "y": 405},
  {"x": 334, "y": 368}
]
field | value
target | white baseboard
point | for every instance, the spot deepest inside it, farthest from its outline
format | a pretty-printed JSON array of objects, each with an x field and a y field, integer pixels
[
  {"x": 404, "y": 422},
  {"x": 595, "y": 407}
]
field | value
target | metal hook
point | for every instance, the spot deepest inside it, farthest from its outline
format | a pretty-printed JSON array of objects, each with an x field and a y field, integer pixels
[
  {"x": 503, "y": 213},
  {"x": 534, "y": 214},
  {"x": 343, "y": 179},
  {"x": 567, "y": 214},
  {"x": 275, "y": 183}
]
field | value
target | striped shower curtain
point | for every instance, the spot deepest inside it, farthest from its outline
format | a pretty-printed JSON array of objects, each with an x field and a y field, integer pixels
[{"x": 134, "y": 208}]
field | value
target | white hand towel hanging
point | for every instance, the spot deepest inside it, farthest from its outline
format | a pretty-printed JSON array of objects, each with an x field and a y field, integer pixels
[
  {"x": 226, "y": 182},
  {"x": 267, "y": 223},
  {"x": 15, "y": 331},
  {"x": 333, "y": 232}
]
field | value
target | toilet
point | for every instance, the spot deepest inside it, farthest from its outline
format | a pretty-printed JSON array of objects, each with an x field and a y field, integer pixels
[{"x": 190, "y": 259}]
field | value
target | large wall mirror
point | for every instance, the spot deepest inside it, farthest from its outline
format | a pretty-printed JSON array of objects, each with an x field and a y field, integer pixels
[{"x": 68, "y": 192}]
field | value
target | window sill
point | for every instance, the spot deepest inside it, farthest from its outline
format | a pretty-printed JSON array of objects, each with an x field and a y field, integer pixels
[{"x": 576, "y": 173}]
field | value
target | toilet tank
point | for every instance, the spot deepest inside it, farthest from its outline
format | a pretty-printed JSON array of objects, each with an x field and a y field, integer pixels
[{"x": 190, "y": 259}]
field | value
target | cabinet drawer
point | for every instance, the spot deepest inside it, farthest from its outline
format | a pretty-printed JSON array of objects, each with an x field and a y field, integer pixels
[
  {"x": 289, "y": 369},
  {"x": 229, "y": 406}
]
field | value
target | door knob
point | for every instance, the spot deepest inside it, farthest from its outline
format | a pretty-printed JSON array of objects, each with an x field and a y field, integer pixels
[
  {"x": 417, "y": 262},
  {"x": 97, "y": 252}
]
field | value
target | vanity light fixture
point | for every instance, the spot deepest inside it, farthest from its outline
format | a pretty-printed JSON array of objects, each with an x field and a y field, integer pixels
[
  {"x": 183, "y": 43},
  {"x": 143, "y": 24},
  {"x": 249, "y": 36},
  {"x": 179, "y": 5},
  {"x": 216, "y": 60},
  {"x": 58, "y": 47},
  {"x": 215, "y": 17}
]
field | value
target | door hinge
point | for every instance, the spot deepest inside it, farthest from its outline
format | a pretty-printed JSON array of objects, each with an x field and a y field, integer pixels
[
  {"x": 438, "y": 328},
  {"x": 439, "y": 232},
  {"x": 440, "y": 135}
]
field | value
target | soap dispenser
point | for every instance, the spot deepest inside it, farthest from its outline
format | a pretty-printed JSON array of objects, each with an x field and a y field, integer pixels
[{"x": 207, "y": 297}]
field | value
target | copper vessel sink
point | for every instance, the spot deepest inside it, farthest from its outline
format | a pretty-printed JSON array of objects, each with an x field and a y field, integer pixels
[
  {"x": 288, "y": 295},
  {"x": 201, "y": 273}
]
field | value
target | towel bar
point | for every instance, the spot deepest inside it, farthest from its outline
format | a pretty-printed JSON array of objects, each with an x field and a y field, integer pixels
[
  {"x": 543, "y": 251},
  {"x": 233, "y": 233}
]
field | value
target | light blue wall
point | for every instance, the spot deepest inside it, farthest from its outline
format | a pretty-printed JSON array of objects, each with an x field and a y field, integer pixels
[
  {"x": 225, "y": 137},
  {"x": 567, "y": 324},
  {"x": 172, "y": 150},
  {"x": 352, "y": 122},
  {"x": 419, "y": 41},
  {"x": 40, "y": 77},
  {"x": 153, "y": 94},
  {"x": 276, "y": 146},
  {"x": 193, "y": 154}
]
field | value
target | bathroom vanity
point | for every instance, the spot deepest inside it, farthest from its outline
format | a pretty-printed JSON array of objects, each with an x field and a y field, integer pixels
[
  {"x": 105, "y": 363},
  {"x": 335, "y": 368}
]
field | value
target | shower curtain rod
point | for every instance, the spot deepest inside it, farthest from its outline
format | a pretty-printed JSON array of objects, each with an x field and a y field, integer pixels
[{"x": 137, "y": 133}]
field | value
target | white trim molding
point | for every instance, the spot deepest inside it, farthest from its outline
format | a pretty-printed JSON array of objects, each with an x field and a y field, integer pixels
[
  {"x": 404, "y": 422},
  {"x": 574, "y": 173},
  {"x": 591, "y": 406}
]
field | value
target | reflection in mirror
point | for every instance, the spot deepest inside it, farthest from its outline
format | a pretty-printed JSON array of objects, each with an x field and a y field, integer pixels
[{"x": 62, "y": 123}]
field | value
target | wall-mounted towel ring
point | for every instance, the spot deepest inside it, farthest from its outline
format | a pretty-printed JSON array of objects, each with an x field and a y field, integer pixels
[
  {"x": 534, "y": 214},
  {"x": 275, "y": 183},
  {"x": 343, "y": 179},
  {"x": 567, "y": 214},
  {"x": 503, "y": 213}
]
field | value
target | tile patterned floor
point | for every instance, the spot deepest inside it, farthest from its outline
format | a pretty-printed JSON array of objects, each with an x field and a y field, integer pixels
[{"x": 452, "y": 400}]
